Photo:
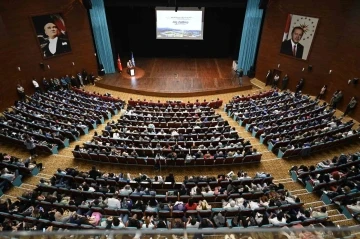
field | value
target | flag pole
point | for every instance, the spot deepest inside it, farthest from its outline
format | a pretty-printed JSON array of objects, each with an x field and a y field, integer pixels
[{"x": 119, "y": 64}]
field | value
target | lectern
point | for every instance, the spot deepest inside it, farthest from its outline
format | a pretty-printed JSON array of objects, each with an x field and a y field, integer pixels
[{"x": 132, "y": 71}]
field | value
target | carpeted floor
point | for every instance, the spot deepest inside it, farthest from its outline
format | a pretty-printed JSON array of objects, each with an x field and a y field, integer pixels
[{"x": 277, "y": 167}]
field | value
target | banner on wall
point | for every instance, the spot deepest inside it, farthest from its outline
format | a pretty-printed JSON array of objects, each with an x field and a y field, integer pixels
[{"x": 298, "y": 36}]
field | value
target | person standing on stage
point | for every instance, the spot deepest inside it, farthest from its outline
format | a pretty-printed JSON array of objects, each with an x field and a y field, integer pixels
[{"x": 240, "y": 74}]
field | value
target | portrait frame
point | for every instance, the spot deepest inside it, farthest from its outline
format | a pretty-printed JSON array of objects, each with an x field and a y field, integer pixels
[
  {"x": 309, "y": 26},
  {"x": 56, "y": 29}
]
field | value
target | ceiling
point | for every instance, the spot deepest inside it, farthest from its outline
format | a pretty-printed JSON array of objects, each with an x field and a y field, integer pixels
[{"x": 179, "y": 3}]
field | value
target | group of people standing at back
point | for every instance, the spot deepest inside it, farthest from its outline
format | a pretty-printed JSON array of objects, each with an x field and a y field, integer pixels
[
  {"x": 335, "y": 99},
  {"x": 274, "y": 81},
  {"x": 82, "y": 78}
]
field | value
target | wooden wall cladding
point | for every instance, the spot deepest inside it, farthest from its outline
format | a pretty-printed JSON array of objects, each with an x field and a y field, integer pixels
[
  {"x": 336, "y": 47},
  {"x": 19, "y": 46}
]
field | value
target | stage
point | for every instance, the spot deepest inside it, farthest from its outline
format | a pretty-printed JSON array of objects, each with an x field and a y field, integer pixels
[{"x": 177, "y": 77}]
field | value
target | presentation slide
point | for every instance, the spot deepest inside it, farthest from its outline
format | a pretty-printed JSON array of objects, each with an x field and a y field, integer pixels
[{"x": 185, "y": 23}]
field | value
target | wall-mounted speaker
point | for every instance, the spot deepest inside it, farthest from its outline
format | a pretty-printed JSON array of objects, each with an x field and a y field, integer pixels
[
  {"x": 355, "y": 81},
  {"x": 87, "y": 4},
  {"x": 310, "y": 68},
  {"x": 42, "y": 66}
]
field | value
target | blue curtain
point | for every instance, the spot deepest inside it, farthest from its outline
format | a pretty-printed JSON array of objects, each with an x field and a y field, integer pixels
[
  {"x": 101, "y": 34},
  {"x": 250, "y": 35}
]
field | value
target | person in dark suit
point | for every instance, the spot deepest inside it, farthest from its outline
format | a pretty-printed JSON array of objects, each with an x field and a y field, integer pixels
[
  {"x": 56, "y": 43},
  {"x": 285, "y": 82},
  {"x": 292, "y": 47},
  {"x": 268, "y": 78}
]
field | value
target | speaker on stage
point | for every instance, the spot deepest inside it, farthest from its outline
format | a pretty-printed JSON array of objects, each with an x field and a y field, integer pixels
[
  {"x": 87, "y": 4},
  {"x": 251, "y": 72},
  {"x": 101, "y": 70}
]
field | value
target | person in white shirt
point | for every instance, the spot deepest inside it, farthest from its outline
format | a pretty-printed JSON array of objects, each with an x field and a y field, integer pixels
[
  {"x": 148, "y": 223},
  {"x": 230, "y": 206},
  {"x": 116, "y": 135},
  {"x": 275, "y": 81},
  {"x": 192, "y": 223},
  {"x": 279, "y": 219},
  {"x": 126, "y": 190},
  {"x": 174, "y": 133},
  {"x": 113, "y": 202},
  {"x": 354, "y": 208},
  {"x": 319, "y": 213},
  {"x": 193, "y": 190},
  {"x": 36, "y": 85}
]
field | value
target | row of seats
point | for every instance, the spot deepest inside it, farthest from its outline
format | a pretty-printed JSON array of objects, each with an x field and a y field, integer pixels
[
  {"x": 212, "y": 104},
  {"x": 72, "y": 226},
  {"x": 166, "y": 185},
  {"x": 42, "y": 146},
  {"x": 179, "y": 162},
  {"x": 239, "y": 98},
  {"x": 275, "y": 146},
  {"x": 269, "y": 131},
  {"x": 66, "y": 132},
  {"x": 344, "y": 164},
  {"x": 16, "y": 132},
  {"x": 85, "y": 102},
  {"x": 289, "y": 153}
]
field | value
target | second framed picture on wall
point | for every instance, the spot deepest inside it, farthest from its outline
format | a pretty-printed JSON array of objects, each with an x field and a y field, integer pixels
[
  {"x": 298, "y": 36},
  {"x": 51, "y": 34}
]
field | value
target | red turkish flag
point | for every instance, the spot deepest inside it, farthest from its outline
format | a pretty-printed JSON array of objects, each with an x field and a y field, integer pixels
[{"x": 119, "y": 64}]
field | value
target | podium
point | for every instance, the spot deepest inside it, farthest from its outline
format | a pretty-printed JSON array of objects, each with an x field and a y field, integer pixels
[{"x": 131, "y": 71}]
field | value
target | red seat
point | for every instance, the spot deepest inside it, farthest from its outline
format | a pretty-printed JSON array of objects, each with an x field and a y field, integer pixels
[
  {"x": 199, "y": 162},
  {"x": 219, "y": 161},
  {"x": 94, "y": 156},
  {"x": 180, "y": 162},
  {"x": 85, "y": 155},
  {"x": 103, "y": 158},
  {"x": 229, "y": 160},
  {"x": 77, "y": 154},
  {"x": 141, "y": 161},
  {"x": 112, "y": 159},
  {"x": 131, "y": 160},
  {"x": 238, "y": 160},
  {"x": 209, "y": 161}
]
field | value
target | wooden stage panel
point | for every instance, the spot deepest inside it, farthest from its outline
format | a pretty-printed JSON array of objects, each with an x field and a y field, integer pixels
[{"x": 177, "y": 77}]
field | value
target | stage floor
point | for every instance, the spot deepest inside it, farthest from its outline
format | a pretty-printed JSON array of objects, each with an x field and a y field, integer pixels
[{"x": 177, "y": 77}]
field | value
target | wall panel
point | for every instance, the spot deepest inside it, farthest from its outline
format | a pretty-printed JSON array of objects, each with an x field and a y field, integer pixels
[
  {"x": 20, "y": 48},
  {"x": 336, "y": 46}
]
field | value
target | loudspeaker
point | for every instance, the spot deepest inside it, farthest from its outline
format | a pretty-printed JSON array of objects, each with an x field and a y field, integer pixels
[
  {"x": 101, "y": 70},
  {"x": 87, "y": 4},
  {"x": 42, "y": 66},
  {"x": 263, "y": 4},
  {"x": 310, "y": 68},
  {"x": 241, "y": 73},
  {"x": 355, "y": 81},
  {"x": 251, "y": 72}
]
